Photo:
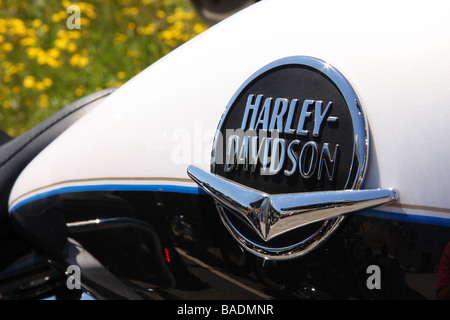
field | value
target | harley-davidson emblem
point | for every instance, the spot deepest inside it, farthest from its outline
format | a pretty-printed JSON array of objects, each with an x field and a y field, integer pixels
[
  {"x": 289, "y": 154},
  {"x": 275, "y": 110}
]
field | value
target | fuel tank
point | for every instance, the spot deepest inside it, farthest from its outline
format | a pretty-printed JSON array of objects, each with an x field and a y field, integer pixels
[{"x": 112, "y": 194}]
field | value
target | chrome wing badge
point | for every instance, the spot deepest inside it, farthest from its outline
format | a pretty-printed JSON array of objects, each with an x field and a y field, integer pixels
[
  {"x": 289, "y": 158},
  {"x": 273, "y": 215}
]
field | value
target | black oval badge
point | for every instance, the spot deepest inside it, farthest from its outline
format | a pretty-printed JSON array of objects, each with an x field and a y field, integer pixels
[{"x": 294, "y": 126}]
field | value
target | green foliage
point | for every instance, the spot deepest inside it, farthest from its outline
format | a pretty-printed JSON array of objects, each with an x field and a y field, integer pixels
[{"x": 44, "y": 65}]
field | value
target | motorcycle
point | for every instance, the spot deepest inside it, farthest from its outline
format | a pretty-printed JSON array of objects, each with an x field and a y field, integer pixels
[{"x": 294, "y": 150}]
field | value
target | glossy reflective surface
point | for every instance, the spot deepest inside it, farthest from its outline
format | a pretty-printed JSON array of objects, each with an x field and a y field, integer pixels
[
  {"x": 160, "y": 245},
  {"x": 271, "y": 216}
]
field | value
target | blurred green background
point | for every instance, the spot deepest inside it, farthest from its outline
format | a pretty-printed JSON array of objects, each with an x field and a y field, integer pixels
[{"x": 44, "y": 65}]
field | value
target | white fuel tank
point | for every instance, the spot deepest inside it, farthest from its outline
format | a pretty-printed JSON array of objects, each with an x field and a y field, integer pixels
[{"x": 396, "y": 55}]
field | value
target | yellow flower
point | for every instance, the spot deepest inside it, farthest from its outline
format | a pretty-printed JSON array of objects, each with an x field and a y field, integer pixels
[
  {"x": 28, "y": 41},
  {"x": 85, "y": 21},
  {"x": 199, "y": 28},
  {"x": 83, "y": 61},
  {"x": 74, "y": 34},
  {"x": 121, "y": 75},
  {"x": 29, "y": 81},
  {"x": 62, "y": 33},
  {"x": 71, "y": 47},
  {"x": 78, "y": 60},
  {"x": 133, "y": 54},
  {"x": 16, "y": 27},
  {"x": 75, "y": 59},
  {"x": 54, "y": 53},
  {"x": 113, "y": 84},
  {"x": 32, "y": 52},
  {"x": 44, "y": 28},
  {"x": 179, "y": 26},
  {"x": 16, "y": 90},
  {"x": 36, "y": 23},
  {"x": 149, "y": 29},
  {"x": 85, "y": 8},
  {"x": 179, "y": 14},
  {"x": 160, "y": 14},
  {"x": 6, "y": 64},
  {"x": 189, "y": 16},
  {"x": 7, "y": 46},
  {"x": 39, "y": 86},
  {"x": 79, "y": 91},
  {"x": 61, "y": 43},
  {"x": 31, "y": 32},
  {"x": 47, "y": 82},
  {"x": 131, "y": 11},
  {"x": 54, "y": 63},
  {"x": 20, "y": 66},
  {"x": 171, "y": 19},
  {"x": 60, "y": 15},
  {"x": 66, "y": 3},
  {"x": 119, "y": 38},
  {"x": 43, "y": 101},
  {"x": 41, "y": 57},
  {"x": 185, "y": 37}
]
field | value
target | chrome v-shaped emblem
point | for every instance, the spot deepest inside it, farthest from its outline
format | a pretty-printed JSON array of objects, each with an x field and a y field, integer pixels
[{"x": 271, "y": 215}]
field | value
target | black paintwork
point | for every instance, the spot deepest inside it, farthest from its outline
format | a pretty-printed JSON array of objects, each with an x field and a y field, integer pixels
[
  {"x": 15, "y": 154},
  {"x": 160, "y": 245}
]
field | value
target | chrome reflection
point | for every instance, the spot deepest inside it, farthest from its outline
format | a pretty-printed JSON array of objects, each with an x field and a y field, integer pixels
[{"x": 273, "y": 215}]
